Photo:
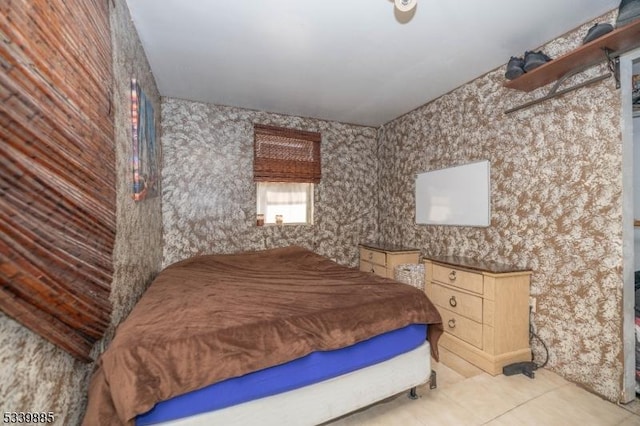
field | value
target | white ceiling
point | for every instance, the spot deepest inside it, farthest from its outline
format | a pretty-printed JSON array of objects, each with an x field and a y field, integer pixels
[{"x": 354, "y": 61}]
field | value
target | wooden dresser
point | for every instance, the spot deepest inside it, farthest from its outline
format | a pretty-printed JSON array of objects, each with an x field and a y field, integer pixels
[
  {"x": 484, "y": 308},
  {"x": 382, "y": 259}
]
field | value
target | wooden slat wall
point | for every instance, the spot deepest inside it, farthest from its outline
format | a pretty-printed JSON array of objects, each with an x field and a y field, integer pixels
[{"x": 57, "y": 169}]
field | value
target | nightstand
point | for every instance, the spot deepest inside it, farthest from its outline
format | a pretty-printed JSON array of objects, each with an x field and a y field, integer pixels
[
  {"x": 382, "y": 259},
  {"x": 484, "y": 308}
]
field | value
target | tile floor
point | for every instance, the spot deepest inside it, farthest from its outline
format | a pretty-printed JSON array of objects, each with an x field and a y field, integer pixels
[{"x": 467, "y": 396}]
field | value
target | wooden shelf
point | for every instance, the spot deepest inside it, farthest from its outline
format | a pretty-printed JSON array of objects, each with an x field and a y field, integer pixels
[{"x": 618, "y": 40}]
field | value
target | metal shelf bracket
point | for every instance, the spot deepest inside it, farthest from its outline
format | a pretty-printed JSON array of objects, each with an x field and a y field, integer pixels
[{"x": 613, "y": 62}]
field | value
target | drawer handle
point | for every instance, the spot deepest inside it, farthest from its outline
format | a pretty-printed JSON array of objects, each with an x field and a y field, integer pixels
[
  {"x": 370, "y": 255},
  {"x": 453, "y": 302},
  {"x": 452, "y": 323},
  {"x": 373, "y": 271},
  {"x": 452, "y": 275}
]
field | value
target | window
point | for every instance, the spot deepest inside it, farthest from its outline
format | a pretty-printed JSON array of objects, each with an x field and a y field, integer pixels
[
  {"x": 286, "y": 166},
  {"x": 294, "y": 201}
]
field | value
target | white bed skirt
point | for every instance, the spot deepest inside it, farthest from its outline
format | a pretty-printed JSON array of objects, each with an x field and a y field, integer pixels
[{"x": 323, "y": 401}]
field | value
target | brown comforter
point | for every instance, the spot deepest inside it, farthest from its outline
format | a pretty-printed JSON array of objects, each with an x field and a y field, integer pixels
[{"x": 213, "y": 317}]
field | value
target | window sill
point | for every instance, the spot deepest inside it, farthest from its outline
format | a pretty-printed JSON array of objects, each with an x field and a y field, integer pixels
[{"x": 274, "y": 225}]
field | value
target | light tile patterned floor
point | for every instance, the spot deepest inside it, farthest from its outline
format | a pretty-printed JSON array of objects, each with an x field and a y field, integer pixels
[{"x": 468, "y": 396}]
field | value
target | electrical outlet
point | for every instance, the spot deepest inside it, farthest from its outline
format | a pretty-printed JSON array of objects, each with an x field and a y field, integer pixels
[{"x": 533, "y": 303}]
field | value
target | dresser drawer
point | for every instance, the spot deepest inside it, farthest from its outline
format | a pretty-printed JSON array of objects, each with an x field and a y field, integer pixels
[
  {"x": 454, "y": 277},
  {"x": 373, "y": 268},
  {"x": 461, "y": 327},
  {"x": 464, "y": 304},
  {"x": 373, "y": 256}
]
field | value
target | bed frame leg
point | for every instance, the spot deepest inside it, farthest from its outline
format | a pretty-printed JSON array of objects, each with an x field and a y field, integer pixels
[
  {"x": 433, "y": 381},
  {"x": 413, "y": 394}
]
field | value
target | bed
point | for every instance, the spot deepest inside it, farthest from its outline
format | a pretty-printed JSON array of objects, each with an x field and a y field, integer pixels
[{"x": 284, "y": 333}]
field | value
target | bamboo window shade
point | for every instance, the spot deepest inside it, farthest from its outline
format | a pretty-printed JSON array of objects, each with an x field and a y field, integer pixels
[
  {"x": 57, "y": 170},
  {"x": 286, "y": 155}
]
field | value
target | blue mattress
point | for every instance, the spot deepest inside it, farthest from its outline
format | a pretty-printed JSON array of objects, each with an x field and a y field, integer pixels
[{"x": 313, "y": 368}]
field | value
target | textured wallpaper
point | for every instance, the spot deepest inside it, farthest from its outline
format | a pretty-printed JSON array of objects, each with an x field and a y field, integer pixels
[
  {"x": 208, "y": 200},
  {"x": 137, "y": 255},
  {"x": 35, "y": 375},
  {"x": 556, "y": 188}
]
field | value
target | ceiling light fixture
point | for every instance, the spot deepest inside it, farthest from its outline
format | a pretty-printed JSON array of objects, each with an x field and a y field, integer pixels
[{"x": 405, "y": 5}]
